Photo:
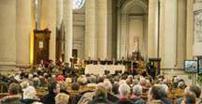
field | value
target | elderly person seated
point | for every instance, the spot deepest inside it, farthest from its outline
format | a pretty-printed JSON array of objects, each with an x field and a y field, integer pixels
[
  {"x": 164, "y": 94},
  {"x": 82, "y": 80},
  {"x": 191, "y": 90},
  {"x": 189, "y": 99},
  {"x": 14, "y": 96},
  {"x": 61, "y": 98},
  {"x": 100, "y": 96},
  {"x": 29, "y": 94},
  {"x": 154, "y": 95},
  {"x": 124, "y": 92},
  {"x": 108, "y": 86},
  {"x": 136, "y": 95}
]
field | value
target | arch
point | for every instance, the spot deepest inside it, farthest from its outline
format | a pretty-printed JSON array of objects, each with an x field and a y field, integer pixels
[
  {"x": 132, "y": 13},
  {"x": 131, "y": 3}
]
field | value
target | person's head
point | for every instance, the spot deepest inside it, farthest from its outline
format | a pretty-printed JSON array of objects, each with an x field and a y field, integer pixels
[
  {"x": 62, "y": 98},
  {"x": 115, "y": 88},
  {"x": 181, "y": 84},
  {"x": 29, "y": 93},
  {"x": 82, "y": 80},
  {"x": 189, "y": 99},
  {"x": 24, "y": 84},
  {"x": 75, "y": 86},
  {"x": 14, "y": 88},
  {"x": 164, "y": 90},
  {"x": 60, "y": 78},
  {"x": 108, "y": 85},
  {"x": 53, "y": 87},
  {"x": 63, "y": 87},
  {"x": 193, "y": 89},
  {"x": 155, "y": 93},
  {"x": 196, "y": 90},
  {"x": 137, "y": 90},
  {"x": 101, "y": 91},
  {"x": 124, "y": 90}
]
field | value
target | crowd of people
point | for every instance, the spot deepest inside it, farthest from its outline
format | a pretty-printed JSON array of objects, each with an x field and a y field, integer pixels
[{"x": 119, "y": 88}]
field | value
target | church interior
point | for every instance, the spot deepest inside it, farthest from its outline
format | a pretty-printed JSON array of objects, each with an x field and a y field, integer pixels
[{"x": 100, "y": 51}]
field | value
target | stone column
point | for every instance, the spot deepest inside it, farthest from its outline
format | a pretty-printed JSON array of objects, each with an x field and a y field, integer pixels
[
  {"x": 68, "y": 24},
  {"x": 8, "y": 33},
  {"x": 123, "y": 36},
  {"x": 189, "y": 29},
  {"x": 59, "y": 13},
  {"x": 181, "y": 33},
  {"x": 119, "y": 34},
  {"x": 90, "y": 46},
  {"x": 23, "y": 31},
  {"x": 169, "y": 33},
  {"x": 109, "y": 29},
  {"x": 153, "y": 28},
  {"x": 48, "y": 20},
  {"x": 102, "y": 26}
]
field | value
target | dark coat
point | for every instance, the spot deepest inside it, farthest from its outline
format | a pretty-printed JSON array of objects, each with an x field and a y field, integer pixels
[
  {"x": 28, "y": 101},
  {"x": 112, "y": 97},
  {"x": 100, "y": 100},
  {"x": 124, "y": 101},
  {"x": 166, "y": 101},
  {"x": 49, "y": 98},
  {"x": 138, "y": 101}
]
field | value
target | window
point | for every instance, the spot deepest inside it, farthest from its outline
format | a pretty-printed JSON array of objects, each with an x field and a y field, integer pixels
[{"x": 78, "y": 4}]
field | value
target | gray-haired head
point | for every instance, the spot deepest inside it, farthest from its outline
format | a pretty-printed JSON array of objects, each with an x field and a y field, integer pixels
[
  {"x": 164, "y": 90},
  {"x": 108, "y": 85},
  {"x": 124, "y": 90},
  {"x": 137, "y": 90}
]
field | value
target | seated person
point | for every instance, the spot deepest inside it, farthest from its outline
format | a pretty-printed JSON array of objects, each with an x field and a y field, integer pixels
[
  {"x": 189, "y": 99},
  {"x": 14, "y": 96},
  {"x": 124, "y": 91},
  {"x": 29, "y": 95},
  {"x": 194, "y": 90},
  {"x": 164, "y": 94},
  {"x": 62, "y": 98},
  {"x": 100, "y": 96},
  {"x": 53, "y": 90},
  {"x": 108, "y": 86},
  {"x": 154, "y": 95},
  {"x": 136, "y": 95}
]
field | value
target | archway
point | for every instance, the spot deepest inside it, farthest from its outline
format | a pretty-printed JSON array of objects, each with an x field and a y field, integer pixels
[{"x": 132, "y": 28}]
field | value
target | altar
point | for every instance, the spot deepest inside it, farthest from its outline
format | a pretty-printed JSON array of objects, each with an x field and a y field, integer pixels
[{"x": 100, "y": 69}]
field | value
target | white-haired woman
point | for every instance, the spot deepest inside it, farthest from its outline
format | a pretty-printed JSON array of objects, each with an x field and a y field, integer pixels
[
  {"x": 124, "y": 92},
  {"x": 29, "y": 95},
  {"x": 136, "y": 95}
]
